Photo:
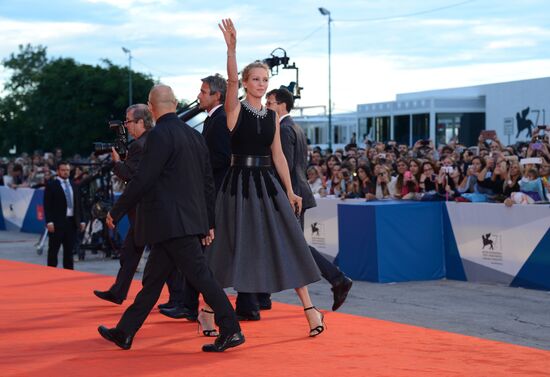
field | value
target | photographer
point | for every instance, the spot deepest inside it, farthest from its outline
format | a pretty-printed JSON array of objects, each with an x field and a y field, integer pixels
[
  {"x": 489, "y": 139},
  {"x": 492, "y": 177},
  {"x": 138, "y": 122},
  {"x": 539, "y": 145},
  {"x": 428, "y": 178},
  {"x": 449, "y": 180},
  {"x": 423, "y": 149}
]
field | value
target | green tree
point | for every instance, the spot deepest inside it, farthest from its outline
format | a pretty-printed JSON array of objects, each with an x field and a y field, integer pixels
[{"x": 62, "y": 103}]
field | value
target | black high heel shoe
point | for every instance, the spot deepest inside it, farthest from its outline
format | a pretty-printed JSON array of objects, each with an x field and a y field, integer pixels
[
  {"x": 201, "y": 320},
  {"x": 317, "y": 329}
]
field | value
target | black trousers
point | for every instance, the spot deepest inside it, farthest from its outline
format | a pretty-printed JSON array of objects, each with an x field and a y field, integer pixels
[
  {"x": 130, "y": 256},
  {"x": 65, "y": 234},
  {"x": 175, "y": 283},
  {"x": 184, "y": 253},
  {"x": 189, "y": 295},
  {"x": 247, "y": 302}
]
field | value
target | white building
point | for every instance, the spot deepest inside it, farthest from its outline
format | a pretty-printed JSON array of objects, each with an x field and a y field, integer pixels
[
  {"x": 316, "y": 128},
  {"x": 512, "y": 109}
]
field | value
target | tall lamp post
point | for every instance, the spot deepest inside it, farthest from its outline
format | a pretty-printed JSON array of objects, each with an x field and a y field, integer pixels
[
  {"x": 325, "y": 12},
  {"x": 130, "y": 96}
]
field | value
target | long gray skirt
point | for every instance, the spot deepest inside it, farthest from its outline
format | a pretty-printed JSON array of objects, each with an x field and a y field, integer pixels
[{"x": 259, "y": 245}]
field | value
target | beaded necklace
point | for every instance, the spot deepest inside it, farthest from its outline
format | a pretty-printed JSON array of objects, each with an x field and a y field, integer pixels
[{"x": 258, "y": 113}]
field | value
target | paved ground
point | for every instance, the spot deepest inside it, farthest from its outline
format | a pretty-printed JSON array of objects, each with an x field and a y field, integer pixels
[{"x": 514, "y": 315}]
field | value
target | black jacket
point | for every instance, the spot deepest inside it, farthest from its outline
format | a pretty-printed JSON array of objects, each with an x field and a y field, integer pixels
[
  {"x": 55, "y": 204},
  {"x": 173, "y": 185},
  {"x": 126, "y": 169},
  {"x": 218, "y": 140},
  {"x": 294, "y": 143}
]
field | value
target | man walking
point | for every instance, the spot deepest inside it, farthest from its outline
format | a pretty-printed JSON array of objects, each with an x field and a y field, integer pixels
[
  {"x": 138, "y": 123},
  {"x": 174, "y": 212},
  {"x": 294, "y": 143},
  {"x": 216, "y": 134}
]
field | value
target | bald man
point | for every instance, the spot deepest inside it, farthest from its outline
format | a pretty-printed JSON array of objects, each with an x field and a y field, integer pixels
[{"x": 175, "y": 191}]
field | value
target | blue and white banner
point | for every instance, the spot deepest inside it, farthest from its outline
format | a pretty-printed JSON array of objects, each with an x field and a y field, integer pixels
[
  {"x": 494, "y": 242},
  {"x": 321, "y": 225},
  {"x": 15, "y": 204}
]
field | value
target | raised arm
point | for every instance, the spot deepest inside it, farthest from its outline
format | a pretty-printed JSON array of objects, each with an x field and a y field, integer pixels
[{"x": 232, "y": 104}]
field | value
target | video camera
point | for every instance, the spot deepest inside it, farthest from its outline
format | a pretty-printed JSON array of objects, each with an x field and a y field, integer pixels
[{"x": 121, "y": 140}]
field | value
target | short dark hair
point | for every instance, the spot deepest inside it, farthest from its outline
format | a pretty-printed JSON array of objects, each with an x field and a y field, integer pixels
[
  {"x": 62, "y": 162},
  {"x": 17, "y": 167},
  {"x": 283, "y": 95},
  {"x": 217, "y": 84}
]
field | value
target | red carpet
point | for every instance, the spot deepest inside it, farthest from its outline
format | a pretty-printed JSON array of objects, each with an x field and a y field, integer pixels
[{"x": 49, "y": 319}]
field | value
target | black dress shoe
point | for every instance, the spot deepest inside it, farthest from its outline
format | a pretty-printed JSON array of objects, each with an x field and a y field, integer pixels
[
  {"x": 108, "y": 296},
  {"x": 265, "y": 306},
  {"x": 167, "y": 305},
  {"x": 116, "y": 336},
  {"x": 224, "y": 342},
  {"x": 264, "y": 300},
  {"x": 340, "y": 291},
  {"x": 249, "y": 316},
  {"x": 180, "y": 312}
]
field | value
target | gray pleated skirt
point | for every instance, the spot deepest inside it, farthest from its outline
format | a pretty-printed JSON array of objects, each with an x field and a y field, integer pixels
[{"x": 259, "y": 245}]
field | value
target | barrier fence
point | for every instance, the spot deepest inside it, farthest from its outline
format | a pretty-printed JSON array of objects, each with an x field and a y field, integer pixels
[
  {"x": 23, "y": 210},
  {"x": 387, "y": 241}
]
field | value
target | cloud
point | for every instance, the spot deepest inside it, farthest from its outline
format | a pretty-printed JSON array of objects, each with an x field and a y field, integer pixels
[
  {"x": 180, "y": 42},
  {"x": 502, "y": 29},
  {"x": 17, "y": 32},
  {"x": 128, "y": 4},
  {"x": 512, "y": 43}
]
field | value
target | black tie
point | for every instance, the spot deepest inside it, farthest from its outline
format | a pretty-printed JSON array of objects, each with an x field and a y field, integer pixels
[{"x": 205, "y": 124}]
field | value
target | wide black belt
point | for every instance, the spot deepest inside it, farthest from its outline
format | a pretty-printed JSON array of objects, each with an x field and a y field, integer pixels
[{"x": 250, "y": 161}]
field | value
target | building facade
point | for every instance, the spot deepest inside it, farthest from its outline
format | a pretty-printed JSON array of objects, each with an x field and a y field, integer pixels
[{"x": 512, "y": 109}]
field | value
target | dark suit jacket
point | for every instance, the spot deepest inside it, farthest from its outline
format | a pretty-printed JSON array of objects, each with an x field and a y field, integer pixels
[
  {"x": 294, "y": 143},
  {"x": 126, "y": 169},
  {"x": 218, "y": 140},
  {"x": 173, "y": 185},
  {"x": 55, "y": 204}
]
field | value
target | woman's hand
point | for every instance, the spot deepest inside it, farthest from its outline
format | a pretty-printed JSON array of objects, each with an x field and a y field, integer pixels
[
  {"x": 295, "y": 202},
  {"x": 229, "y": 34}
]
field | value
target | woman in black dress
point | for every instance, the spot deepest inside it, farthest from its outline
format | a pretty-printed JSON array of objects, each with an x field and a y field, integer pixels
[{"x": 259, "y": 244}]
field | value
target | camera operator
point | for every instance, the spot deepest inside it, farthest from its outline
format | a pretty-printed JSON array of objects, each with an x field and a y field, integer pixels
[{"x": 138, "y": 122}]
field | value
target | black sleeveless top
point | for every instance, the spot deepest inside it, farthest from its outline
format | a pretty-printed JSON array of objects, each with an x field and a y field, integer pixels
[
  {"x": 254, "y": 131},
  {"x": 252, "y": 136}
]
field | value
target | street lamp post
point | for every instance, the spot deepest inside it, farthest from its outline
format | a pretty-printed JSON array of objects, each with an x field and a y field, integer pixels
[
  {"x": 130, "y": 96},
  {"x": 325, "y": 12}
]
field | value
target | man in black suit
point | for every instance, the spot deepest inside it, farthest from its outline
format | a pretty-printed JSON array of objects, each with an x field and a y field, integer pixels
[
  {"x": 216, "y": 134},
  {"x": 294, "y": 143},
  {"x": 138, "y": 123},
  {"x": 174, "y": 188},
  {"x": 62, "y": 210}
]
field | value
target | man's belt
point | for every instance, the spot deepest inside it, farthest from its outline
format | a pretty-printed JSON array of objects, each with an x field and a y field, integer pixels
[{"x": 250, "y": 161}]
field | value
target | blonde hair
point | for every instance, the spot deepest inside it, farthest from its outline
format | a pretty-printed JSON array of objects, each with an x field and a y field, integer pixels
[{"x": 251, "y": 66}]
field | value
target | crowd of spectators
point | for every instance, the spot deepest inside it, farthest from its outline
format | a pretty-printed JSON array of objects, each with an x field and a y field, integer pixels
[
  {"x": 487, "y": 172},
  {"x": 35, "y": 170}
]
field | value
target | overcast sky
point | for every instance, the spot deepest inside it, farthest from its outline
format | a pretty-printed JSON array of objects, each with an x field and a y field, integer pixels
[{"x": 379, "y": 47}]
